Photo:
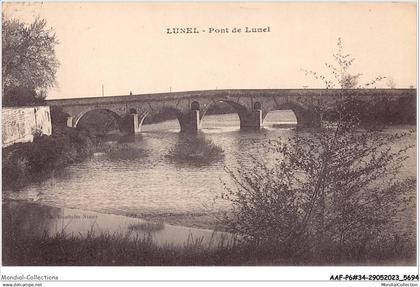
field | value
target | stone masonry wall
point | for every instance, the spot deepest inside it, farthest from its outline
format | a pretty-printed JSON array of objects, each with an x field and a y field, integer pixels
[{"x": 20, "y": 124}]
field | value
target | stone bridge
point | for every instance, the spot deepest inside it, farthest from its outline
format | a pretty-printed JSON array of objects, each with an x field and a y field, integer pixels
[{"x": 251, "y": 105}]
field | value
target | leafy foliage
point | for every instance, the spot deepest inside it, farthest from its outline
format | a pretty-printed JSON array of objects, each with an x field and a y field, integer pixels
[
  {"x": 341, "y": 72},
  {"x": 373, "y": 113},
  {"x": 29, "y": 61},
  {"x": 19, "y": 96},
  {"x": 331, "y": 194},
  {"x": 195, "y": 151},
  {"x": 26, "y": 162}
]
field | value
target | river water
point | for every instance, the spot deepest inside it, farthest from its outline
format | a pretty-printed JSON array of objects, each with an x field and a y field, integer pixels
[{"x": 153, "y": 185}]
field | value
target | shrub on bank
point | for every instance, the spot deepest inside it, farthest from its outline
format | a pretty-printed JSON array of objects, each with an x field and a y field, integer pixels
[
  {"x": 195, "y": 151},
  {"x": 336, "y": 195},
  {"x": 25, "y": 162}
]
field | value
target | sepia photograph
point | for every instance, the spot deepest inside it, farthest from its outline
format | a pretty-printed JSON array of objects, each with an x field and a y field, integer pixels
[{"x": 209, "y": 134}]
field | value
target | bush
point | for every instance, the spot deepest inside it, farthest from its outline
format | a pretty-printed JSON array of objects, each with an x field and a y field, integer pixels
[
  {"x": 21, "y": 96},
  {"x": 330, "y": 196},
  {"x": 376, "y": 113},
  {"x": 195, "y": 150},
  {"x": 25, "y": 162}
]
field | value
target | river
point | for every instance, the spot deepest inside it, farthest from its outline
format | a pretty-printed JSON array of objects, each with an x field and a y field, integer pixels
[
  {"x": 150, "y": 184},
  {"x": 155, "y": 187}
]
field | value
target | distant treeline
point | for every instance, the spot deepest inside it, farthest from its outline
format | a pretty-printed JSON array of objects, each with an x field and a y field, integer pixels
[{"x": 379, "y": 112}]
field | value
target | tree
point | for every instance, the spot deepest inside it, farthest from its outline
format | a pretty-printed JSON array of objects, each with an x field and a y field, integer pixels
[
  {"x": 29, "y": 63},
  {"x": 391, "y": 83},
  {"x": 340, "y": 70},
  {"x": 330, "y": 196},
  {"x": 373, "y": 113}
]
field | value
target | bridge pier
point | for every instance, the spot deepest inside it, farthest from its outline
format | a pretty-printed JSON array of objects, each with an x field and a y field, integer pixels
[
  {"x": 69, "y": 122},
  {"x": 190, "y": 122},
  {"x": 251, "y": 120},
  {"x": 130, "y": 124}
]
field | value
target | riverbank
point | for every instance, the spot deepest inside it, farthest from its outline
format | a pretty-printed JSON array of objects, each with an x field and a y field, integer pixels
[
  {"x": 24, "y": 163},
  {"x": 37, "y": 220},
  {"x": 35, "y": 234},
  {"x": 40, "y": 235},
  {"x": 148, "y": 191},
  {"x": 49, "y": 158}
]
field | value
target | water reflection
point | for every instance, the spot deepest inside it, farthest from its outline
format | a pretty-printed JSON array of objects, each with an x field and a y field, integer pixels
[
  {"x": 22, "y": 219},
  {"x": 125, "y": 152},
  {"x": 284, "y": 119},
  {"x": 152, "y": 185}
]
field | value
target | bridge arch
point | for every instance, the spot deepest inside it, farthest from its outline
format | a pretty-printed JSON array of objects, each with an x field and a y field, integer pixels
[
  {"x": 305, "y": 116},
  {"x": 239, "y": 109},
  {"x": 155, "y": 114},
  {"x": 298, "y": 111},
  {"x": 60, "y": 117},
  {"x": 110, "y": 112},
  {"x": 99, "y": 121}
]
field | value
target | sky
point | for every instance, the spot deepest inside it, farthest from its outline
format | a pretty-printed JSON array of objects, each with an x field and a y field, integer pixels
[{"x": 125, "y": 46}]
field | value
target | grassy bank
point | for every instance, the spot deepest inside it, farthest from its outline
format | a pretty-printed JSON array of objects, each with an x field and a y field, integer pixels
[
  {"x": 108, "y": 249},
  {"x": 24, "y": 163}
]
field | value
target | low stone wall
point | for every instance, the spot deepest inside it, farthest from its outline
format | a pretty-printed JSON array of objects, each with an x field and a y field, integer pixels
[{"x": 20, "y": 124}]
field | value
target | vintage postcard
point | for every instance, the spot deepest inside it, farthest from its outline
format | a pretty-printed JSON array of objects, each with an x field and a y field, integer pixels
[{"x": 209, "y": 134}]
